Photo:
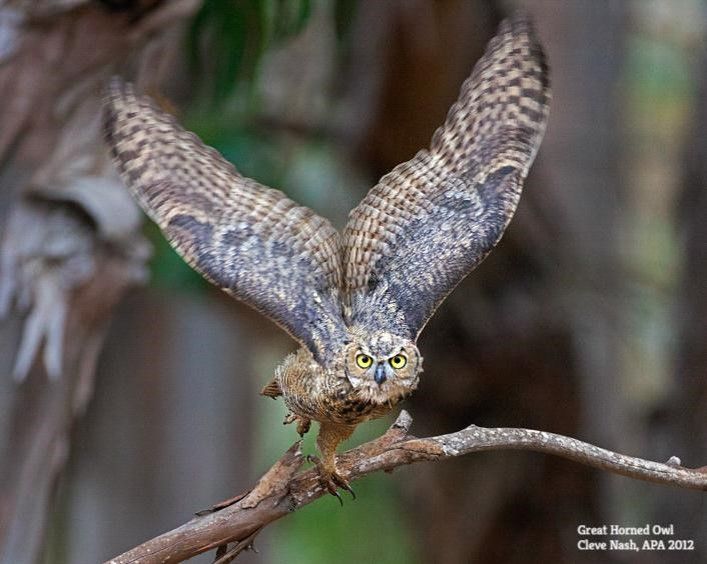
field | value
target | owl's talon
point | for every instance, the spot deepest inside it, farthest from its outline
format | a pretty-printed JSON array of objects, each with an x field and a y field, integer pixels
[
  {"x": 343, "y": 484},
  {"x": 303, "y": 423},
  {"x": 336, "y": 494},
  {"x": 331, "y": 479}
]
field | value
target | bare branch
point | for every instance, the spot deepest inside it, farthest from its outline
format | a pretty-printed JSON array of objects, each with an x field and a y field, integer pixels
[{"x": 282, "y": 490}]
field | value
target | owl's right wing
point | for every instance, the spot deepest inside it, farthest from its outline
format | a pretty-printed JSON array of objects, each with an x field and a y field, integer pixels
[
  {"x": 431, "y": 220},
  {"x": 249, "y": 240}
]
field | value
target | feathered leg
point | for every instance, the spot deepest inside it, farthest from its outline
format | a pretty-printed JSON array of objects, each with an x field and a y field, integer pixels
[{"x": 330, "y": 436}]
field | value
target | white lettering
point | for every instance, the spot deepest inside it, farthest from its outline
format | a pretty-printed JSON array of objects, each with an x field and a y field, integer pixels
[
  {"x": 623, "y": 545},
  {"x": 623, "y": 531},
  {"x": 586, "y": 530},
  {"x": 668, "y": 530},
  {"x": 653, "y": 545}
]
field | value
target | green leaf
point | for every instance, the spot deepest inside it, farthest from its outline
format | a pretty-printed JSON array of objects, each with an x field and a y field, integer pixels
[{"x": 228, "y": 39}]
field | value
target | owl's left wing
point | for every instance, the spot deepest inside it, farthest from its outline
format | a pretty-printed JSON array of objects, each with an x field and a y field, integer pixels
[
  {"x": 431, "y": 220},
  {"x": 249, "y": 240}
]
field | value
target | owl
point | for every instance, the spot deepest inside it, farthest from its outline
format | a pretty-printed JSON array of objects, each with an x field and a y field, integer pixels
[{"x": 357, "y": 300}]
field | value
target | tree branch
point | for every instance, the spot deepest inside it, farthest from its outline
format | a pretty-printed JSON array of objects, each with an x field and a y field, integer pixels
[{"x": 283, "y": 489}]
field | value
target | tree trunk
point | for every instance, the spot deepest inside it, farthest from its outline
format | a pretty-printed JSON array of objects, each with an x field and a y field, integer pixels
[{"x": 70, "y": 233}]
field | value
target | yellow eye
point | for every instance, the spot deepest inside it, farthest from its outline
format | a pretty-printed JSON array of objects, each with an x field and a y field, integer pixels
[
  {"x": 398, "y": 361},
  {"x": 363, "y": 360}
]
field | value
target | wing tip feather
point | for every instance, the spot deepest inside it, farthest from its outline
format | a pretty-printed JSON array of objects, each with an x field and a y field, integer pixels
[
  {"x": 117, "y": 94},
  {"x": 515, "y": 43}
]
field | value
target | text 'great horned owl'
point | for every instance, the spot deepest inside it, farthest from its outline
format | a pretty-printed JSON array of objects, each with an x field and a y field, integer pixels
[{"x": 355, "y": 301}]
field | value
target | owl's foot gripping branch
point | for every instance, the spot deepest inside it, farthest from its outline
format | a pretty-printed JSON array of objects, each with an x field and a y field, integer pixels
[
  {"x": 331, "y": 479},
  {"x": 330, "y": 436},
  {"x": 285, "y": 488}
]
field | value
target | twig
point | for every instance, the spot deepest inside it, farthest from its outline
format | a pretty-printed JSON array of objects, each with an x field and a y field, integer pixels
[
  {"x": 230, "y": 555},
  {"x": 283, "y": 489}
]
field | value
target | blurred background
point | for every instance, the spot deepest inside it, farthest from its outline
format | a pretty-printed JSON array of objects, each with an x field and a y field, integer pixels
[{"x": 129, "y": 387}]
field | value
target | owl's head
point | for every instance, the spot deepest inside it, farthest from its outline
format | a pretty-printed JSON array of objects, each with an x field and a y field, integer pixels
[{"x": 382, "y": 367}]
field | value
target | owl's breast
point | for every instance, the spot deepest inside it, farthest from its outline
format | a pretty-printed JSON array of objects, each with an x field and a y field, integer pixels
[{"x": 345, "y": 405}]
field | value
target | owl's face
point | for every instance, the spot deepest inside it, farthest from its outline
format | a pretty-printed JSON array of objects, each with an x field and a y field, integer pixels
[{"x": 382, "y": 367}]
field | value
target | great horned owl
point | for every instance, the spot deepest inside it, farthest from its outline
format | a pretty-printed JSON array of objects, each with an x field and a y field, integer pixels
[{"x": 355, "y": 301}]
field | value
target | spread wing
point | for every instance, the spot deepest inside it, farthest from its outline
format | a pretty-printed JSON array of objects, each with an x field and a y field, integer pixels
[
  {"x": 250, "y": 240},
  {"x": 431, "y": 220}
]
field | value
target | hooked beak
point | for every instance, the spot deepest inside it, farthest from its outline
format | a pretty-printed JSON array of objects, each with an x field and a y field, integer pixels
[{"x": 380, "y": 375}]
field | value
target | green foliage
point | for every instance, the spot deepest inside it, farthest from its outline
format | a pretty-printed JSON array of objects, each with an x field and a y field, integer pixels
[
  {"x": 228, "y": 38},
  {"x": 290, "y": 17},
  {"x": 343, "y": 16}
]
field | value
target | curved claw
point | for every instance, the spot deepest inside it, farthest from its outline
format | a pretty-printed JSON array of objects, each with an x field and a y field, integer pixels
[
  {"x": 343, "y": 484},
  {"x": 303, "y": 423},
  {"x": 331, "y": 480}
]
